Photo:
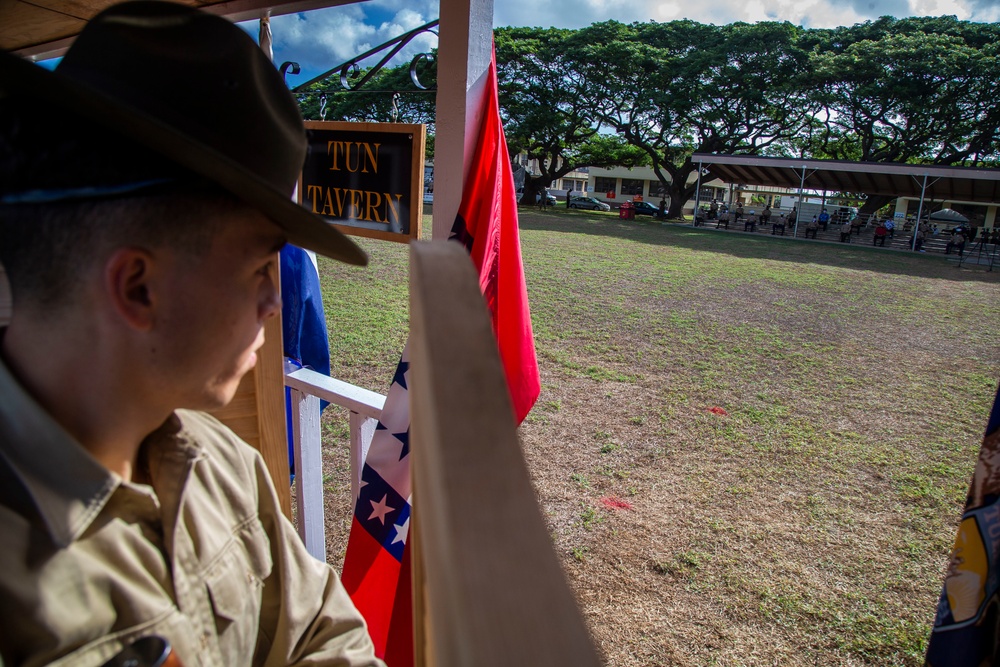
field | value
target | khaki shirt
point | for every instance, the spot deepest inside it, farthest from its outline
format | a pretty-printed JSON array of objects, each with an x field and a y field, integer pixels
[{"x": 203, "y": 557}]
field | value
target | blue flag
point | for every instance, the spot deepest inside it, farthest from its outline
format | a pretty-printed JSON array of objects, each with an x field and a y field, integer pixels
[{"x": 303, "y": 324}]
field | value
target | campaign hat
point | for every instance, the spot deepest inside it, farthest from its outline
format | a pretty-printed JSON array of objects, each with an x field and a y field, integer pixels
[{"x": 195, "y": 89}]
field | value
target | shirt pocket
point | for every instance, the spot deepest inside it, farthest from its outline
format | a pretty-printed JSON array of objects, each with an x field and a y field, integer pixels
[{"x": 235, "y": 583}]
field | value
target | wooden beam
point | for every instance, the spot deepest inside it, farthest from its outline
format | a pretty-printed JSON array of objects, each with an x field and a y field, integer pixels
[
  {"x": 489, "y": 586},
  {"x": 464, "y": 52},
  {"x": 43, "y": 29}
]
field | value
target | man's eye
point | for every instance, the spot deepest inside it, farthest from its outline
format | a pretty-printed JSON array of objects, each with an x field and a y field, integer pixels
[{"x": 266, "y": 269}]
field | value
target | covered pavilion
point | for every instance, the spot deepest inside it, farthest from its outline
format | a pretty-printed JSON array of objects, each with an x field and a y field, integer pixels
[{"x": 922, "y": 182}]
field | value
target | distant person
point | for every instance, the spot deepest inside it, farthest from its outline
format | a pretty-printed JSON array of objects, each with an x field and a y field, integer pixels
[
  {"x": 824, "y": 219},
  {"x": 845, "y": 232},
  {"x": 779, "y": 226},
  {"x": 739, "y": 213},
  {"x": 543, "y": 198},
  {"x": 661, "y": 212},
  {"x": 714, "y": 209},
  {"x": 793, "y": 216},
  {"x": 890, "y": 227},
  {"x": 751, "y": 222},
  {"x": 957, "y": 242},
  {"x": 918, "y": 239},
  {"x": 880, "y": 233},
  {"x": 765, "y": 215},
  {"x": 812, "y": 228},
  {"x": 569, "y": 194}
]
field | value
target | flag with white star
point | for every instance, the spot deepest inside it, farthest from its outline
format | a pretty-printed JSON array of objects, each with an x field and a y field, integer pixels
[{"x": 376, "y": 567}]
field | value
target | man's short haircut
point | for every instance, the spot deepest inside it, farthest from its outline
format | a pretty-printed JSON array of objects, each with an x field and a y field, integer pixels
[{"x": 69, "y": 197}]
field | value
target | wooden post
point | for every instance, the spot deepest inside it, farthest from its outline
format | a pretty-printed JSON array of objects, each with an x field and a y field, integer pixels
[
  {"x": 491, "y": 589},
  {"x": 464, "y": 53}
]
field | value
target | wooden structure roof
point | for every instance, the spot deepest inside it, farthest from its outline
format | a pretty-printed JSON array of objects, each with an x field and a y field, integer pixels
[
  {"x": 45, "y": 28},
  {"x": 873, "y": 178}
]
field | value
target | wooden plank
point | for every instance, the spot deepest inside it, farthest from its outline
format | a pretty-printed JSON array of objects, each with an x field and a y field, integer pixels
[
  {"x": 6, "y": 300},
  {"x": 45, "y": 28},
  {"x": 270, "y": 381},
  {"x": 493, "y": 592},
  {"x": 26, "y": 25}
]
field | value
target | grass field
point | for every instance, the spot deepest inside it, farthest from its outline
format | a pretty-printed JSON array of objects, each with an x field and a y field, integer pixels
[{"x": 808, "y": 517}]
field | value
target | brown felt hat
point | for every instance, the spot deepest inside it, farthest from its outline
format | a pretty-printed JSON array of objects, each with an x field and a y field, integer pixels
[{"x": 197, "y": 90}]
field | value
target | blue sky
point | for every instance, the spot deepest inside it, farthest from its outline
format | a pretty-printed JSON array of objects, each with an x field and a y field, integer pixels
[{"x": 322, "y": 39}]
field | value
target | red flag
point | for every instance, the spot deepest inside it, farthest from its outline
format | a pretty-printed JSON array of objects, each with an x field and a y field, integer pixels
[
  {"x": 487, "y": 226},
  {"x": 377, "y": 563}
]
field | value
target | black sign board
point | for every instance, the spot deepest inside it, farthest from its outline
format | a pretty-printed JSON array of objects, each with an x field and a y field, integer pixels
[{"x": 366, "y": 178}]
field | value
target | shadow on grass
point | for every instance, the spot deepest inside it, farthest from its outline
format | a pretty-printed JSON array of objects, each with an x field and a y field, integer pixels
[{"x": 755, "y": 246}]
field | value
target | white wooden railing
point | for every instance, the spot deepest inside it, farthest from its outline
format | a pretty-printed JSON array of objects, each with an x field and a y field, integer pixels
[{"x": 308, "y": 388}]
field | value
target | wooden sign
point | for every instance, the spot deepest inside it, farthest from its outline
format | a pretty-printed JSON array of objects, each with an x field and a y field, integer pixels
[{"x": 366, "y": 178}]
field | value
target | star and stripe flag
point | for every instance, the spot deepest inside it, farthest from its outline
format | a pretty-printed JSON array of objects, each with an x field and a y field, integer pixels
[{"x": 377, "y": 564}]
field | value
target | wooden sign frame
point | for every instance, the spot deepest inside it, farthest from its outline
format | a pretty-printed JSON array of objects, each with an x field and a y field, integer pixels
[{"x": 375, "y": 205}]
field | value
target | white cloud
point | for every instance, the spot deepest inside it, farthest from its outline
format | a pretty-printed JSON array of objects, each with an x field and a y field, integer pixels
[{"x": 322, "y": 39}]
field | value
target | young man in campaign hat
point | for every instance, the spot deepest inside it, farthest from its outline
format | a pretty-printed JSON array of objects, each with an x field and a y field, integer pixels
[{"x": 145, "y": 188}]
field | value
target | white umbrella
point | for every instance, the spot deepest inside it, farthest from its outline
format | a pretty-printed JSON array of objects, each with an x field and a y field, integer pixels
[{"x": 948, "y": 215}]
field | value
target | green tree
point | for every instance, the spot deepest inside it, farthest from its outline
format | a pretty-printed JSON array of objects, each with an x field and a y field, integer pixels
[
  {"x": 672, "y": 89},
  {"x": 912, "y": 90},
  {"x": 546, "y": 111}
]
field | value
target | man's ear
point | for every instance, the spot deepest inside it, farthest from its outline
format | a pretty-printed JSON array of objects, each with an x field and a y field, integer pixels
[{"x": 128, "y": 274}]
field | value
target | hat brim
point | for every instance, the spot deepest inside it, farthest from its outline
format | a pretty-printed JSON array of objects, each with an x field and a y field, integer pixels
[{"x": 19, "y": 77}]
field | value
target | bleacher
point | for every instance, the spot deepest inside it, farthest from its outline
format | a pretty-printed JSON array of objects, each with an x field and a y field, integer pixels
[{"x": 863, "y": 234}]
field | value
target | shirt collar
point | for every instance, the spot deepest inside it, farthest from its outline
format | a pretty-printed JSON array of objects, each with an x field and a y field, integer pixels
[{"x": 67, "y": 485}]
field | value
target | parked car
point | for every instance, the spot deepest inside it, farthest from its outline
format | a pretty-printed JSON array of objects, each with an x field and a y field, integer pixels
[
  {"x": 645, "y": 208},
  {"x": 549, "y": 201},
  {"x": 588, "y": 203}
]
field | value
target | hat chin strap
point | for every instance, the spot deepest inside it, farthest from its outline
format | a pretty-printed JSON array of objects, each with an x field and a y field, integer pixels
[{"x": 43, "y": 196}]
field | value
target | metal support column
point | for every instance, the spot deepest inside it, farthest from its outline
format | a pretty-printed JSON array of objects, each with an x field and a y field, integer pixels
[
  {"x": 920, "y": 210},
  {"x": 697, "y": 197},
  {"x": 798, "y": 206}
]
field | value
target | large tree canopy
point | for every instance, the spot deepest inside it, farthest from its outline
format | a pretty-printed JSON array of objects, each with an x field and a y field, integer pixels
[
  {"x": 905, "y": 91},
  {"x": 547, "y": 112},
  {"x": 671, "y": 89}
]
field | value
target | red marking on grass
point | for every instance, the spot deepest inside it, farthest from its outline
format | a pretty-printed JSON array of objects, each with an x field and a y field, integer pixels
[
  {"x": 614, "y": 503},
  {"x": 716, "y": 410}
]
